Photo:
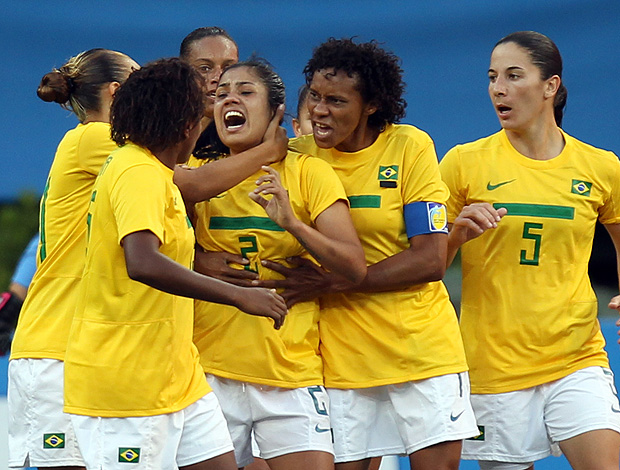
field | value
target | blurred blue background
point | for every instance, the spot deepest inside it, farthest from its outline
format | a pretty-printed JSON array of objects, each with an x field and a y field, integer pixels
[{"x": 444, "y": 46}]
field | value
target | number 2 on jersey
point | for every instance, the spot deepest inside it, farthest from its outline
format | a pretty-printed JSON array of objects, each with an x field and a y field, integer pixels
[
  {"x": 531, "y": 260},
  {"x": 253, "y": 248}
]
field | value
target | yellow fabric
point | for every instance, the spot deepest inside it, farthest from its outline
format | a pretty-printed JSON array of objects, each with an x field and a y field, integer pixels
[
  {"x": 130, "y": 350},
  {"x": 45, "y": 318},
  {"x": 238, "y": 346},
  {"x": 528, "y": 313},
  {"x": 371, "y": 339}
]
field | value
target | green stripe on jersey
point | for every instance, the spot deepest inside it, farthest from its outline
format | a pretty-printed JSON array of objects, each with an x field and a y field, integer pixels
[
  {"x": 538, "y": 210},
  {"x": 240, "y": 223},
  {"x": 365, "y": 202},
  {"x": 42, "y": 234}
]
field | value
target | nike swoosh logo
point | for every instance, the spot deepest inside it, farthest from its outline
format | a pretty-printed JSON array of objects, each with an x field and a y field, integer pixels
[
  {"x": 319, "y": 429},
  {"x": 491, "y": 187},
  {"x": 454, "y": 418}
]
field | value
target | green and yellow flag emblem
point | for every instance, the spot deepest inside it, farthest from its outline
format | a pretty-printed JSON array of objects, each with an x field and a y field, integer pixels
[
  {"x": 129, "y": 454},
  {"x": 54, "y": 441},
  {"x": 580, "y": 187}
]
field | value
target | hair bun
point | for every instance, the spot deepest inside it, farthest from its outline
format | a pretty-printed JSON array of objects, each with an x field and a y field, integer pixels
[{"x": 55, "y": 87}]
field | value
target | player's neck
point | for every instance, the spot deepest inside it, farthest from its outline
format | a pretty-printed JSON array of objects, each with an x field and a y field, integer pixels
[{"x": 538, "y": 142}]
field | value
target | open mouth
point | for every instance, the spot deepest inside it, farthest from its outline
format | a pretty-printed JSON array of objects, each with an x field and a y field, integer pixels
[
  {"x": 321, "y": 129},
  {"x": 502, "y": 110},
  {"x": 234, "y": 120}
]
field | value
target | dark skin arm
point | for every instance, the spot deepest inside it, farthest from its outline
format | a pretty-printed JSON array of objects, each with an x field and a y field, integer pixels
[
  {"x": 200, "y": 184},
  {"x": 146, "y": 264},
  {"x": 424, "y": 261}
]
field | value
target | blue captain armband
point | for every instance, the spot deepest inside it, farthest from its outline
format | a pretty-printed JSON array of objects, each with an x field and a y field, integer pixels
[{"x": 425, "y": 217}]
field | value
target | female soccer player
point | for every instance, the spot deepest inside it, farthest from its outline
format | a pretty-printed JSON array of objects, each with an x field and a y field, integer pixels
[
  {"x": 276, "y": 391},
  {"x": 395, "y": 367},
  {"x": 134, "y": 384},
  {"x": 523, "y": 206},
  {"x": 210, "y": 50},
  {"x": 39, "y": 433}
]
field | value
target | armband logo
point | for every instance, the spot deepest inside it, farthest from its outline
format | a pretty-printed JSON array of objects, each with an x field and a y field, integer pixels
[
  {"x": 437, "y": 217},
  {"x": 581, "y": 187},
  {"x": 388, "y": 176}
]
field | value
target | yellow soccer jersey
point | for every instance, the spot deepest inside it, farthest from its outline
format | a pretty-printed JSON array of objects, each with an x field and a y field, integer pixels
[
  {"x": 130, "y": 350},
  {"x": 238, "y": 346},
  {"x": 45, "y": 318},
  {"x": 372, "y": 339},
  {"x": 528, "y": 314}
]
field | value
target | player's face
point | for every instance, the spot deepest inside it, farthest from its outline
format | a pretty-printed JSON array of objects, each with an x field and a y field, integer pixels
[
  {"x": 520, "y": 97},
  {"x": 191, "y": 137},
  {"x": 210, "y": 56},
  {"x": 337, "y": 110},
  {"x": 242, "y": 111}
]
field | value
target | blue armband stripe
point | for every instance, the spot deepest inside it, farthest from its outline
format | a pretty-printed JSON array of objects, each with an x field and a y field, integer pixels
[{"x": 425, "y": 217}]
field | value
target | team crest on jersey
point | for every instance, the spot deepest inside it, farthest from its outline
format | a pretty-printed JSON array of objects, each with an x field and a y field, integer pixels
[
  {"x": 581, "y": 187},
  {"x": 437, "y": 217},
  {"x": 388, "y": 176},
  {"x": 129, "y": 454},
  {"x": 54, "y": 440}
]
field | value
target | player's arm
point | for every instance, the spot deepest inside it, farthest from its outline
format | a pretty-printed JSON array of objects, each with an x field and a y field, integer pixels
[
  {"x": 614, "y": 232},
  {"x": 200, "y": 184},
  {"x": 423, "y": 261},
  {"x": 333, "y": 243},
  {"x": 146, "y": 264},
  {"x": 473, "y": 221}
]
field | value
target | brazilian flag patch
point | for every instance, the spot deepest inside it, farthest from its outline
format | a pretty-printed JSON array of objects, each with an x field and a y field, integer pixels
[
  {"x": 580, "y": 187},
  {"x": 479, "y": 437},
  {"x": 129, "y": 454},
  {"x": 54, "y": 440},
  {"x": 388, "y": 176}
]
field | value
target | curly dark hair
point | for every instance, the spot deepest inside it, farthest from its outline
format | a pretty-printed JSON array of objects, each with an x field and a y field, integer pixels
[
  {"x": 378, "y": 71},
  {"x": 153, "y": 107}
]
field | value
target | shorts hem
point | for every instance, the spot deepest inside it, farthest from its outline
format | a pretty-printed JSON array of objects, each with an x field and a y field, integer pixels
[
  {"x": 205, "y": 456},
  {"x": 439, "y": 439},
  {"x": 506, "y": 458},
  {"x": 291, "y": 450},
  {"x": 584, "y": 429},
  {"x": 47, "y": 463},
  {"x": 370, "y": 454}
]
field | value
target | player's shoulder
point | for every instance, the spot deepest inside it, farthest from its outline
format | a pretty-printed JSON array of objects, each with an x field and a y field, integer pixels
[{"x": 592, "y": 152}]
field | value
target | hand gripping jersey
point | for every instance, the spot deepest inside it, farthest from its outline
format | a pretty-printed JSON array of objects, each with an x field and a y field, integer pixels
[
  {"x": 130, "y": 350},
  {"x": 372, "y": 339},
  {"x": 239, "y": 346},
  {"x": 528, "y": 313},
  {"x": 45, "y": 318}
]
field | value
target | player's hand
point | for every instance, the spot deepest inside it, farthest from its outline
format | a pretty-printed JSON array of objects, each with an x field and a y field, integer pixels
[
  {"x": 476, "y": 219},
  {"x": 217, "y": 264},
  {"x": 278, "y": 208},
  {"x": 10, "y": 305},
  {"x": 305, "y": 281},
  {"x": 276, "y": 138},
  {"x": 264, "y": 303}
]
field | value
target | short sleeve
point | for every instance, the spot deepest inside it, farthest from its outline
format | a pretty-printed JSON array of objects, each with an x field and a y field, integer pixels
[
  {"x": 320, "y": 186},
  {"x": 421, "y": 178},
  {"x": 138, "y": 201},
  {"x": 609, "y": 213},
  {"x": 450, "y": 168}
]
